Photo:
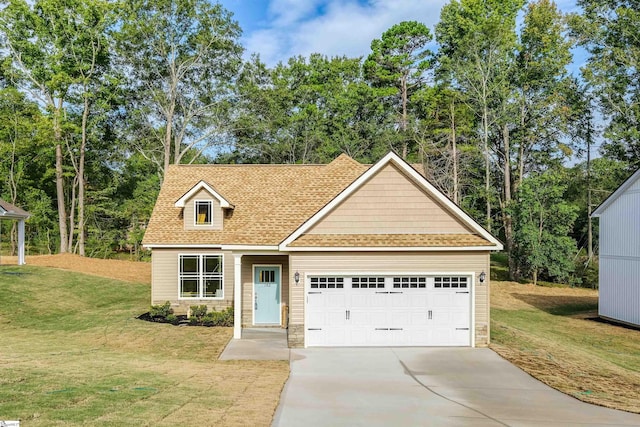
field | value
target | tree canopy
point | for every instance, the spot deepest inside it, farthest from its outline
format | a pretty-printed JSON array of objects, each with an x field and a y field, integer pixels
[{"x": 98, "y": 98}]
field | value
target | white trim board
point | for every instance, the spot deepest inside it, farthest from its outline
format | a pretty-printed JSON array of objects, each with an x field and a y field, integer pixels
[{"x": 224, "y": 203}]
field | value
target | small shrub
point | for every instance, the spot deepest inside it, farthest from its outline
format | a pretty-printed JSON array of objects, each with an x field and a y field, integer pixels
[
  {"x": 163, "y": 310},
  {"x": 198, "y": 312},
  {"x": 219, "y": 318},
  {"x": 173, "y": 319}
]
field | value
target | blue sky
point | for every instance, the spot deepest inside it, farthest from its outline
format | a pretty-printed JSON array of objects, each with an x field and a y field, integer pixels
[{"x": 279, "y": 29}]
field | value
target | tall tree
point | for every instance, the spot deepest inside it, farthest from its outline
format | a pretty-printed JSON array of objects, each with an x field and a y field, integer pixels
[
  {"x": 544, "y": 86},
  {"x": 399, "y": 60},
  {"x": 477, "y": 41},
  {"x": 308, "y": 110},
  {"x": 610, "y": 31},
  {"x": 34, "y": 34},
  {"x": 543, "y": 220},
  {"x": 182, "y": 57},
  {"x": 22, "y": 132},
  {"x": 90, "y": 49},
  {"x": 534, "y": 108}
]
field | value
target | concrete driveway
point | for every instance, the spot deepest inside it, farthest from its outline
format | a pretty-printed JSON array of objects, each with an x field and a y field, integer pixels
[{"x": 425, "y": 387}]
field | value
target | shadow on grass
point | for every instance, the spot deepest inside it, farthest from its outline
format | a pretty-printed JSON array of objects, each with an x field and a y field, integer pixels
[
  {"x": 613, "y": 323},
  {"x": 560, "y": 305}
]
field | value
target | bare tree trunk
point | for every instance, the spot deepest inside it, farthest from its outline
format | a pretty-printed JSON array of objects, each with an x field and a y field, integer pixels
[
  {"x": 589, "y": 222},
  {"x": 81, "y": 178},
  {"x": 13, "y": 189},
  {"x": 403, "y": 120},
  {"x": 72, "y": 223},
  {"x": 62, "y": 213},
  {"x": 523, "y": 141},
  {"x": 507, "y": 220},
  {"x": 167, "y": 144},
  {"x": 487, "y": 166},
  {"x": 13, "y": 237},
  {"x": 454, "y": 152}
]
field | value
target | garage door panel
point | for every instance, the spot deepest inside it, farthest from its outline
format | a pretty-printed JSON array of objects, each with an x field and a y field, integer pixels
[
  {"x": 394, "y": 312},
  {"x": 399, "y": 319}
]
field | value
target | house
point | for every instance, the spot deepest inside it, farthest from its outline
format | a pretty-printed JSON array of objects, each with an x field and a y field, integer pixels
[
  {"x": 619, "y": 275},
  {"x": 14, "y": 213},
  {"x": 357, "y": 255}
]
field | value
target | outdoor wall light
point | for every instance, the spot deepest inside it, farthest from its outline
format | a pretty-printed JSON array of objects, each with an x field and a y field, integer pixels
[
  {"x": 482, "y": 276},
  {"x": 296, "y": 277}
]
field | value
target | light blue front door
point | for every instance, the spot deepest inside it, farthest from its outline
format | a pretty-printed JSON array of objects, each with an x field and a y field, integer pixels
[{"x": 266, "y": 295}]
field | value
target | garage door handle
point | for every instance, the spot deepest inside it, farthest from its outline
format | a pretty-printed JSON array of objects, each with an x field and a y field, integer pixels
[
  {"x": 314, "y": 293},
  {"x": 347, "y": 314},
  {"x": 430, "y": 315},
  {"x": 314, "y": 329},
  {"x": 462, "y": 329},
  {"x": 462, "y": 292},
  {"x": 382, "y": 329},
  {"x": 381, "y": 292},
  {"x": 396, "y": 329}
]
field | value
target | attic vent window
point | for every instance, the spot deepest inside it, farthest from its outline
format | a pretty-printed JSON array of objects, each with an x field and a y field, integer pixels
[{"x": 204, "y": 210}]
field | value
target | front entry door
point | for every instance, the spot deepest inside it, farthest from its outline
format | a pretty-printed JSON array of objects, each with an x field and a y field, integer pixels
[{"x": 266, "y": 295}]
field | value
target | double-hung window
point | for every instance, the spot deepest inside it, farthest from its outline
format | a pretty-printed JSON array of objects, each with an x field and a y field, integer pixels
[
  {"x": 204, "y": 212},
  {"x": 201, "y": 276}
]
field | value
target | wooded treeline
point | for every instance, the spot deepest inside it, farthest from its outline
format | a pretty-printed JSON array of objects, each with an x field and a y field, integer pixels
[{"x": 98, "y": 97}]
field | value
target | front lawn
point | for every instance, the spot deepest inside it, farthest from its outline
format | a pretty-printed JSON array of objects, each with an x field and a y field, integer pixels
[
  {"x": 72, "y": 353},
  {"x": 550, "y": 333}
]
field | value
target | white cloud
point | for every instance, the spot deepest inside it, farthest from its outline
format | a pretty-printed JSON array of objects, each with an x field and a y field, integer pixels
[{"x": 342, "y": 28}]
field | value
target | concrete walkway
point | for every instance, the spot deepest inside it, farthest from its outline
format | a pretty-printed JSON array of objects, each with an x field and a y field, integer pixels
[
  {"x": 258, "y": 344},
  {"x": 425, "y": 387}
]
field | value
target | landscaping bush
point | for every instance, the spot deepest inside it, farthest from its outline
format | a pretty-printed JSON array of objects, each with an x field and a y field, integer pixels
[
  {"x": 219, "y": 318},
  {"x": 199, "y": 316},
  {"x": 163, "y": 310},
  {"x": 198, "y": 312}
]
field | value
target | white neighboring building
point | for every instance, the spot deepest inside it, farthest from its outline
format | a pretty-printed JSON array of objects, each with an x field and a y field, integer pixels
[{"x": 620, "y": 253}]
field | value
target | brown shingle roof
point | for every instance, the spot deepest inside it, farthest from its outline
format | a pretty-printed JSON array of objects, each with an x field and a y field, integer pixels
[
  {"x": 12, "y": 211},
  {"x": 271, "y": 201},
  {"x": 382, "y": 240}
]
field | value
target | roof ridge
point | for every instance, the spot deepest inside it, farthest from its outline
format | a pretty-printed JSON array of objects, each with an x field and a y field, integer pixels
[{"x": 233, "y": 165}]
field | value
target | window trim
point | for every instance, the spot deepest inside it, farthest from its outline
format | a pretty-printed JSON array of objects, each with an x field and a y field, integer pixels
[
  {"x": 195, "y": 212},
  {"x": 201, "y": 275}
]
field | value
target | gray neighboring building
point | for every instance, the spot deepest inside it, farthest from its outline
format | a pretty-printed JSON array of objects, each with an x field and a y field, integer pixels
[{"x": 620, "y": 253}]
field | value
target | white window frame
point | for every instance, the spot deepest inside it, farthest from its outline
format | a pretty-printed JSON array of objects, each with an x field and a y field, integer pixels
[
  {"x": 201, "y": 276},
  {"x": 195, "y": 213}
]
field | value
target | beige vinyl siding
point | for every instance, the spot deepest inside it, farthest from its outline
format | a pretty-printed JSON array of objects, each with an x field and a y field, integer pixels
[
  {"x": 189, "y": 212},
  {"x": 391, "y": 262},
  {"x": 248, "y": 261},
  {"x": 389, "y": 203},
  {"x": 165, "y": 284}
]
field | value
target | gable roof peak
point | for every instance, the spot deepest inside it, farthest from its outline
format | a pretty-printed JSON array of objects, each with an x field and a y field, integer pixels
[
  {"x": 224, "y": 203},
  {"x": 410, "y": 173},
  {"x": 617, "y": 193},
  {"x": 344, "y": 159}
]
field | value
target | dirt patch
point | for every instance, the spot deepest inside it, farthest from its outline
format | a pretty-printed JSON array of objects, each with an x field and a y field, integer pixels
[
  {"x": 129, "y": 271},
  {"x": 516, "y": 296}
]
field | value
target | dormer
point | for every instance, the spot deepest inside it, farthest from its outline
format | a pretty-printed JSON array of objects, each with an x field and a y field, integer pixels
[{"x": 203, "y": 208}]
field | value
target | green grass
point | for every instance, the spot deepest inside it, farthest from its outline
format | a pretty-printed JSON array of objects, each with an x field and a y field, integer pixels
[
  {"x": 550, "y": 333},
  {"x": 72, "y": 353}
]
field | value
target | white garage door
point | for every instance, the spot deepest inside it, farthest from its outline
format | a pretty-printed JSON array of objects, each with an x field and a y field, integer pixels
[{"x": 425, "y": 310}]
